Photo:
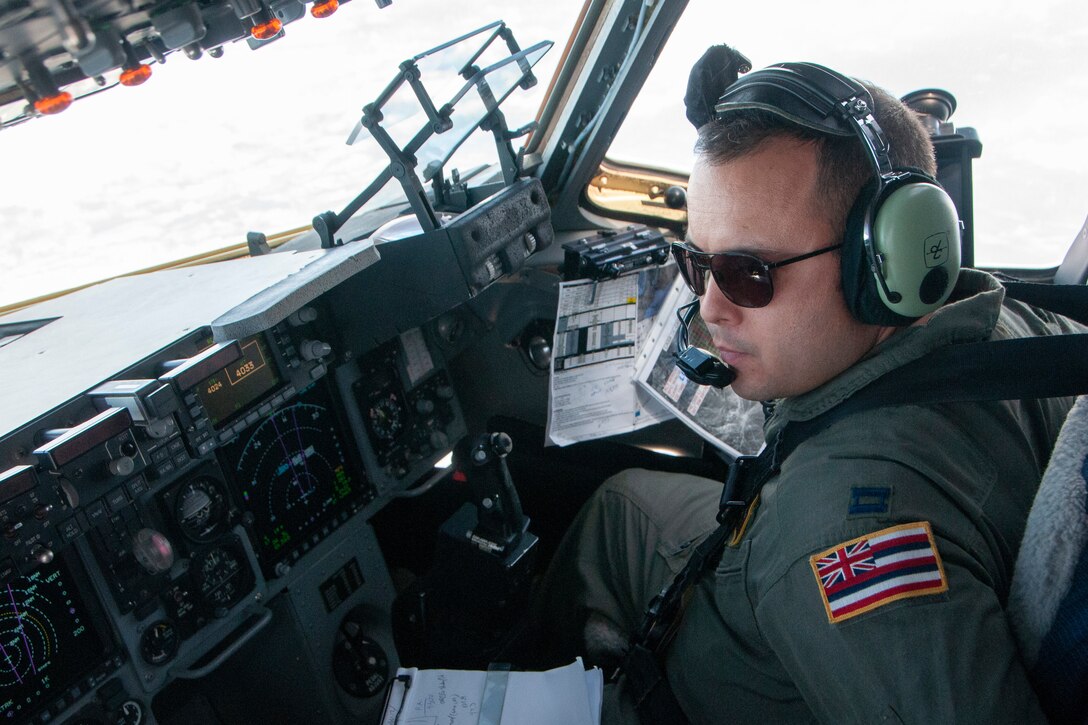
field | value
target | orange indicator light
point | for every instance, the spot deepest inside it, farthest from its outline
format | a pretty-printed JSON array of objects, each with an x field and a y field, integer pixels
[
  {"x": 53, "y": 104},
  {"x": 136, "y": 75},
  {"x": 264, "y": 31},
  {"x": 324, "y": 9}
]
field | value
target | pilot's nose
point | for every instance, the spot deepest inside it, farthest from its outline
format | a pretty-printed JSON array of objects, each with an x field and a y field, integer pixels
[{"x": 716, "y": 309}]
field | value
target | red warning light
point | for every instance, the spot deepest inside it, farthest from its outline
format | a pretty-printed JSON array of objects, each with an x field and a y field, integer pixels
[
  {"x": 53, "y": 104},
  {"x": 324, "y": 9},
  {"x": 136, "y": 75},
  {"x": 267, "y": 30}
]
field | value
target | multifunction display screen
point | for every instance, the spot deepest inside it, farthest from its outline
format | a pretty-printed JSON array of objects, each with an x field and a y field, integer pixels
[
  {"x": 292, "y": 472},
  {"x": 48, "y": 641},
  {"x": 235, "y": 387}
]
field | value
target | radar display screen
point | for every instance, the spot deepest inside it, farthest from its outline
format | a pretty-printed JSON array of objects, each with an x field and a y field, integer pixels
[
  {"x": 292, "y": 472},
  {"x": 232, "y": 389},
  {"x": 48, "y": 641}
]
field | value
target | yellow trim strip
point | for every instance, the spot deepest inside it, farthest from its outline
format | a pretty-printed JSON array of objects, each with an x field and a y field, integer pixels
[
  {"x": 739, "y": 534},
  {"x": 222, "y": 254}
]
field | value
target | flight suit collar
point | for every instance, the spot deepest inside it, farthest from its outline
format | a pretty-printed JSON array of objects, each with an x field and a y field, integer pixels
[{"x": 969, "y": 316}]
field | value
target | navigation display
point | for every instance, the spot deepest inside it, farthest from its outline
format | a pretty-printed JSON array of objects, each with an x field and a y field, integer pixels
[
  {"x": 232, "y": 389},
  {"x": 48, "y": 641},
  {"x": 293, "y": 474}
]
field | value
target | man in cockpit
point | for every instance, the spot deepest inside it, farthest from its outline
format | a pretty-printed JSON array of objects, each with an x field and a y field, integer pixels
[{"x": 866, "y": 581}]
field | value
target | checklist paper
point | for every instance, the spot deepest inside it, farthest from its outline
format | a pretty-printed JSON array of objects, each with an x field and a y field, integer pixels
[{"x": 570, "y": 695}]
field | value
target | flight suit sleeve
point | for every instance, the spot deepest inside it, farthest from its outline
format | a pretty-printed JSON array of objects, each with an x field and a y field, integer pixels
[
  {"x": 891, "y": 538},
  {"x": 941, "y": 651}
]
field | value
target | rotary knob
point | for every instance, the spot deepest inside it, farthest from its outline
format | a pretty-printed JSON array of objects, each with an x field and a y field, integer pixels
[
  {"x": 41, "y": 554},
  {"x": 314, "y": 349},
  {"x": 304, "y": 316},
  {"x": 122, "y": 466},
  {"x": 359, "y": 663},
  {"x": 153, "y": 551}
]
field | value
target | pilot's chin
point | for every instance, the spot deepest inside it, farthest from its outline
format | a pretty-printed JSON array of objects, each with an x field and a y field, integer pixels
[
  {"x": 742, "y": 390},
  {"x": 748, "y": 389}
]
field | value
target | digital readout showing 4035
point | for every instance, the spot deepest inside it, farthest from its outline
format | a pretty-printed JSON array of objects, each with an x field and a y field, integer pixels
[
  {"x": 233, "y": 388},
  {"x": 47, "y": 641}
]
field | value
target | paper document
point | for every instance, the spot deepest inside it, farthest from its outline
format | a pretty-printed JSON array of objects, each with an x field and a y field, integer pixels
[
  {"x": 600, "y": 329},
  {"x": 569, "y": 695},
  {"x": 723, "y": 419}
]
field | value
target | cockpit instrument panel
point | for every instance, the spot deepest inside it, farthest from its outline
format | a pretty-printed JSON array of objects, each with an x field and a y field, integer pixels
[
  {"x": 199, "y": 508},
  {"x": 294, "y": 478},
  {"x": 50, "y": 641},
  {"x": 231, "y": 390},
  {"x": 410, "y": 414}
]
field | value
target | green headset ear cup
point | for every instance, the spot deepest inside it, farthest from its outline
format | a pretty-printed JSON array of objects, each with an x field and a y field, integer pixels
[
  {"x": 859, "y": 286},
  {"x": 915, "y": 230}
]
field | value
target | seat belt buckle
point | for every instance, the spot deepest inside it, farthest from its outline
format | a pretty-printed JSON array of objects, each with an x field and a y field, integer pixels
[
  {"x": 658, "y": 610},
  {"x": 730, "y": 501}
]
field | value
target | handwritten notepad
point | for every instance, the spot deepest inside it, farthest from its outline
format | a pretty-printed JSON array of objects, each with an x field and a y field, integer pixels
[{"x": 570, "y": 695}]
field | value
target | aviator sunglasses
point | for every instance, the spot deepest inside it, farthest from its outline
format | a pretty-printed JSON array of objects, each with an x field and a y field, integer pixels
[{"x": 743, "y": 278}]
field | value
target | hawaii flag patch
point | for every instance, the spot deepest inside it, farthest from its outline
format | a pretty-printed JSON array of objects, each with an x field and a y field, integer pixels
[{"x": 870, "y": 571}]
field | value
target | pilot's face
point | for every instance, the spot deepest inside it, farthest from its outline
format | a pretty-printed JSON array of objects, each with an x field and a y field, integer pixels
[{"x": 766, "y": 204}]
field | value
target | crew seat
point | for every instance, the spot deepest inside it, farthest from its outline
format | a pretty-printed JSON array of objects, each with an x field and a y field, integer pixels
[
  {"x": 1048, "y": 600},
  {"x": 1074, "y": 268}
]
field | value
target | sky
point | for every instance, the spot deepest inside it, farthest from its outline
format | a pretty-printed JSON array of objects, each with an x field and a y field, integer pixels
[
  {"x": 1016, "y": 70},
  {"x": 208, "y": 150}
]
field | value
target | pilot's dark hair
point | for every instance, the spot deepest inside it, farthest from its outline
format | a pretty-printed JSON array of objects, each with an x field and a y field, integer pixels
[{"x": 844, "y": 164}]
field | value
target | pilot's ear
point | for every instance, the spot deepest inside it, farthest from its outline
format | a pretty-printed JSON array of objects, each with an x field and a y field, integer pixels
[{"x": 710, "y": 76}]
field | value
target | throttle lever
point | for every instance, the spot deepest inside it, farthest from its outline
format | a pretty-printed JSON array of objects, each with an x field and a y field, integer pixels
[{"x": 482, "y": 461}]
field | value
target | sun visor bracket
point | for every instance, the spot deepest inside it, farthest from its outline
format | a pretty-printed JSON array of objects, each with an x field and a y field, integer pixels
[{"x": 408, "y": 102}]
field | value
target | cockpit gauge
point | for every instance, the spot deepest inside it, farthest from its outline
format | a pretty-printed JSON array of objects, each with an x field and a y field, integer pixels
[
  {"x": 359, "y": 664},
  {"x": 200, "y": 509},
  {"x": 408, "y": 408},
  {"x": 159, "y": 643},
  {"x": 221, "y": 576},
  {"x": 385, "y": 418}
]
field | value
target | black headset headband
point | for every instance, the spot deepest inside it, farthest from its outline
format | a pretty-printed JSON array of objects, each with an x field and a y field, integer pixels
[{"x": 815, "y": 97}]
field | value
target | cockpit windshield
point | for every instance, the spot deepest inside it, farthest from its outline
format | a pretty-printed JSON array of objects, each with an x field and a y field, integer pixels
[
  {"x": 1014, "y": 75},
  {"x": 205, "y": 151}
]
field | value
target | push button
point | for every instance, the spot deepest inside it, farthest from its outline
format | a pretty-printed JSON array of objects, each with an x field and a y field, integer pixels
[
  {"x": 116, "y": 499},
  {"x": 96, "y": 513},
  {"x": 69, "y": 529}
]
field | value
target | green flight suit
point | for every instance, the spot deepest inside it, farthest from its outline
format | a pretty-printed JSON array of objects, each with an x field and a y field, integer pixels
[{"x": 761, "y": 641}]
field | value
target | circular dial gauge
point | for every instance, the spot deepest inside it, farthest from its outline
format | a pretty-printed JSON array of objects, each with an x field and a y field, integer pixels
[
  {"x": 293, "y": 476},
  {"x": 359, "y": 664},
  {"x": 385, "y": 418},
  {"x": 159, "y": 643},
  {"x": 200, "y": 508},
  {"x": 221, "y": 576}
]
